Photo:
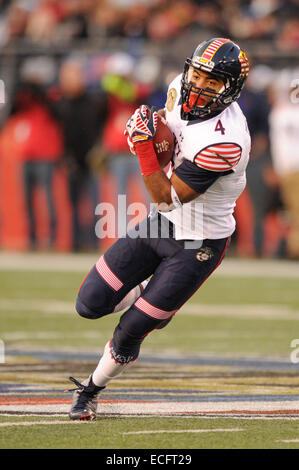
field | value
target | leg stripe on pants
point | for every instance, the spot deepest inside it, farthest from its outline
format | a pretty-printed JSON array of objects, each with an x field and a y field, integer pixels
[
  {"x": 106, "y": 273},
  {"x": 154, "y": 312}
]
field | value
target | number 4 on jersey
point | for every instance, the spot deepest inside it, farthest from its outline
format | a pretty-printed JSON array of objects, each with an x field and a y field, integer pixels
[{"x": 219, "y": 127}]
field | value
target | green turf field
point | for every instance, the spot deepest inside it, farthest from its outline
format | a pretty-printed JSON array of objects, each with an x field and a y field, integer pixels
[
  {"x": 37, "y": 309},
  {"x": 231, "y": 317},
  {"x": 126, "y": 433}
]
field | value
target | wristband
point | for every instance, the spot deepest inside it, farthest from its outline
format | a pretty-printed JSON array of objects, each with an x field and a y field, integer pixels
[
  {"x": 176, "y": 203},
  {"x": 147, "y": 157},
  {"x": 175, "y": 198}
]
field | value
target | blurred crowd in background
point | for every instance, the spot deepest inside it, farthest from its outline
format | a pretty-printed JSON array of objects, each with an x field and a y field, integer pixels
[
  {"x": 56, "y": 20},
  {"x": 75, "y": 70}
]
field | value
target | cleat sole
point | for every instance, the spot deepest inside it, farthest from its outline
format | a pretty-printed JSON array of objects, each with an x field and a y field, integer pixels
[{"x": 87, "y": 417}]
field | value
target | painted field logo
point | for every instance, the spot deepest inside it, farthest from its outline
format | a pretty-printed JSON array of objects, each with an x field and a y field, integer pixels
[{"x": 2, "y": 355}]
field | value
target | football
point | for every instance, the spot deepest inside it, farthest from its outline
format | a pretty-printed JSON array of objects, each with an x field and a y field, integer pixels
[{"x": 163, "y": 142}]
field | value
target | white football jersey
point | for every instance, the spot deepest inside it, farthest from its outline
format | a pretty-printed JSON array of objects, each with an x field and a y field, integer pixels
[{"x": 219, "y": 144}]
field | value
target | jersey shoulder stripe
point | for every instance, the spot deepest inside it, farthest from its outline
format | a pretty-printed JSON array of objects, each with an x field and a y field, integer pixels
[{"x": 219, "y": 157}]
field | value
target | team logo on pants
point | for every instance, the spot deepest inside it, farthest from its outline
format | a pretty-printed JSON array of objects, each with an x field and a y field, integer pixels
[{"x": 205, "y": 254}]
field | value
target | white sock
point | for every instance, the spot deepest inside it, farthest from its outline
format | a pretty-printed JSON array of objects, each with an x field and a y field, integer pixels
[
  {"x": 131, "y": 297},
  {"x": 107, "y": 368}
]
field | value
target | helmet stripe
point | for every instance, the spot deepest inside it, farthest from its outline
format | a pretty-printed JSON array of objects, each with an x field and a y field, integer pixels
[{"x": 213, "y": 48}]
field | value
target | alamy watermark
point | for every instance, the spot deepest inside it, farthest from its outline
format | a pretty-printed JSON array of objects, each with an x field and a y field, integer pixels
[
  {"x": 2, "y": 352},
  {"x": 294, "y": 356},
  {"x": 294, "y": 95},
  {"x": 135, "y": 221},
  {"x": 2, "y": 92}
]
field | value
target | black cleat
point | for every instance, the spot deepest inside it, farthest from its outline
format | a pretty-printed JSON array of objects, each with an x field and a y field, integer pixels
[{"x": 85, "y": 400}]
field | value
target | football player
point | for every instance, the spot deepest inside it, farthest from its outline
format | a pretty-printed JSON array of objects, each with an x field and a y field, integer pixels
[{"x": 207, "y": 176}]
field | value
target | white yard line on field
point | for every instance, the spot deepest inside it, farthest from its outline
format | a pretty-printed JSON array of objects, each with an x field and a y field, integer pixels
[
  {"x": 45, "y": 306},
  {"x": 264, "y": 311},
  {"x": 171, "y": 431},
  {"x": 35, "y": 423},
  {"x": 289, "y": 440},
  {"x": 159, "y": 408}
]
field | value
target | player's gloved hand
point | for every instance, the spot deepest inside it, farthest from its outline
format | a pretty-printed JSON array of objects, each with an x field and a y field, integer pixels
[
  {"x": 140, "y": 130},
  {"x": 130, "y": 144},
  {"x": 142, "y": 125}
]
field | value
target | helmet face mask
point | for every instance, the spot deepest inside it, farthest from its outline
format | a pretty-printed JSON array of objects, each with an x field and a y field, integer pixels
[
  {"x": 221, "y": 59},
  {"x": 194, "y": 95}
]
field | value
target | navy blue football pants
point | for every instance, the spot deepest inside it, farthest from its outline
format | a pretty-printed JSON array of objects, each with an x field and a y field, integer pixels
[{"x": 177, "y": 273}]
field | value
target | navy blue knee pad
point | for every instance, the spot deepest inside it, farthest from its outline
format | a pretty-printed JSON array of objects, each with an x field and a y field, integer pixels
[
  {"x": 95, "y": 298},
  {"x": 131, "y": 330},
  {"x": 87, "y": 312}
]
